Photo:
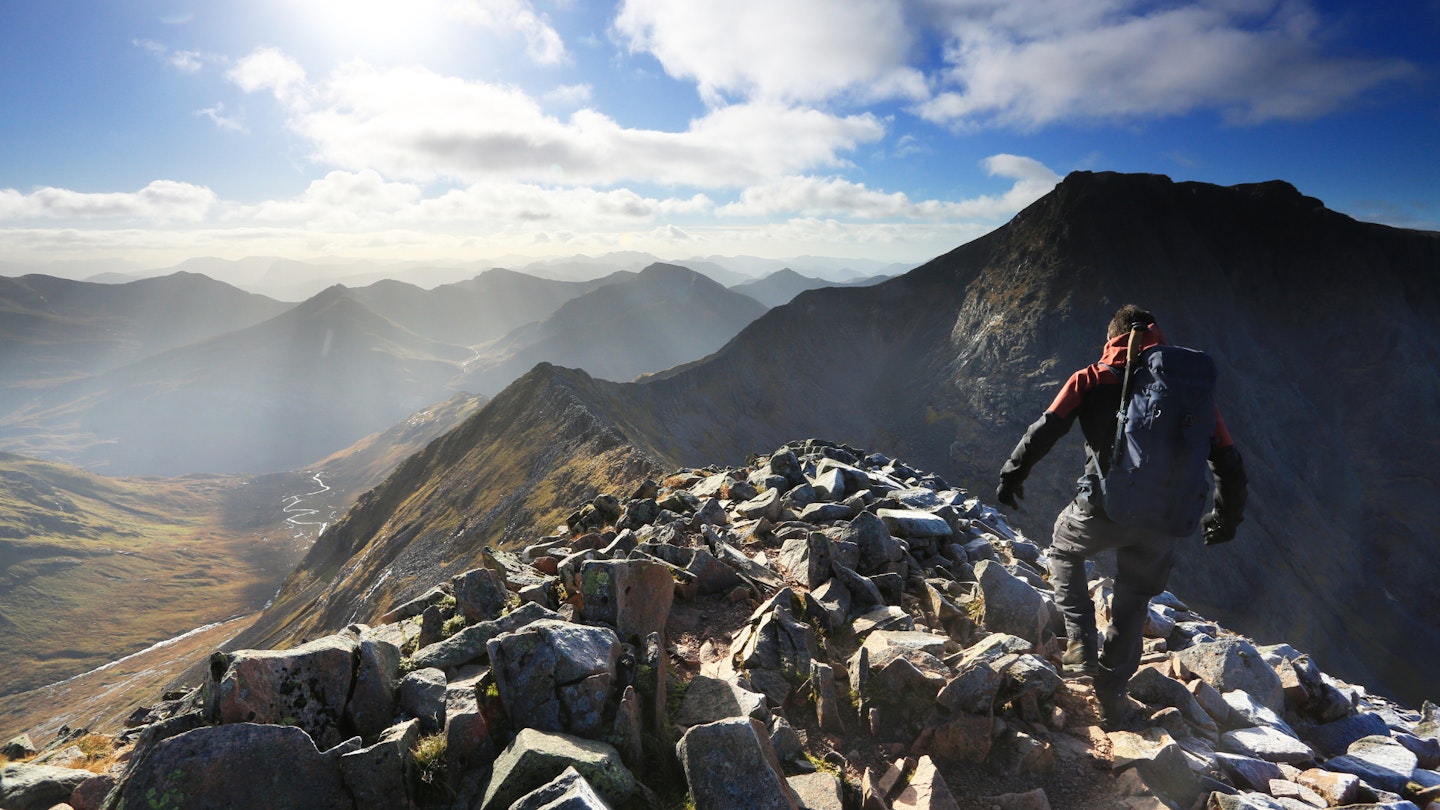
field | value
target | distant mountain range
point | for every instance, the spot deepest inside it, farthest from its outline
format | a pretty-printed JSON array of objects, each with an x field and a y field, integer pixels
[
  {"x": 1319, "y": 325},
  {"x": 781, "y": 286},
  {"x": 185, "y": 374}
]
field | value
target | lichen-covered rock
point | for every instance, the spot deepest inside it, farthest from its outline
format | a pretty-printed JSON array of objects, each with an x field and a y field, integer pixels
[
  {"x": 775, "y": 639},
  {"x": 818, "y": 791},
  {"x": 38, "y": 787},
  {"x": 422, "y": 696},
  {"x": 914, "y": 523},
  {"x": 470, "y": 645},
  {"x": 307, "y": 687},
  {"x": 377, "y": 677},
  {"x": 568, "y": 791},
  {"x": 244, "y": 766},
  {"x": 480, "y": 595},
  {"x": 730, "y": 764},
  {"x": 556, "y": 676},
  {"x": 537, "y": 757},
  {"x": 377, "y": 776},
  {"x": 710, "y": 699},
  {"x": 1234, "y": 663},
  {"x": 632, "y": 596}
]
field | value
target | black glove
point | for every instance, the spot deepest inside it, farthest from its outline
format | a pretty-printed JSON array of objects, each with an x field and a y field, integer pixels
[
  {"x": 1216, "y": 529},
  {"x": 1008, "y": 494}
]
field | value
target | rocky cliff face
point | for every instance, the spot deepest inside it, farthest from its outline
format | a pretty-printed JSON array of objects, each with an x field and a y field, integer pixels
[{"x": 822, "y": 627}]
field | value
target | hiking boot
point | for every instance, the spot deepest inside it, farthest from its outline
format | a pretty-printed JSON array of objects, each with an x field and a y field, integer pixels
[
  {"x": 1079, "y": 660},
  {"x": 1117, "y": 711}
]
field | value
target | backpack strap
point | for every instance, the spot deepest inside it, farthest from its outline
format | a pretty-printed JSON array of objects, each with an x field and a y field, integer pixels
[{"x": 1123, "y": 416}]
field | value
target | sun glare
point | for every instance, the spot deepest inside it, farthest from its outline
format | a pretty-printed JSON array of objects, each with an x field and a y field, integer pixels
[{"x": 375, "y": 29}]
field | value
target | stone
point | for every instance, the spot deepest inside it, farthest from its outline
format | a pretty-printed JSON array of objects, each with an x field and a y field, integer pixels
[
  {"x": 1027, "y": 676},
  {"x": 480, "y": 595},
  {"x": 1379, "y": 760},
  {"x": 826, "y": 512},
  {"x": 789, "y": 748},
  {"x": 467, "y": 731},
  {"x": 992, "y": 648},
  {"x": 765, "y": 506},
  {"x": 536, "y": 757},
  {"x": 888, "y": 618},
  {"x": 21, "y": 747},
  {"x": 1246, "y": 711},
  {"x": 371, "y": 706},
  {"x": 1426, "y": 751},
  {"x": 914, "y": 523},
  {"x": 1335, "y": 788},
  {"x": 629, "y": 729},
  {"x": 633, "y": 596},
  {"x": 416, "y": 606},
  {"x": 973, "y": 691},
  {"x": 1016, "y": 753},
  {"x": 1284, "y": 789},
  {"x": 38, "y": 787},
  {"x": 807, "y": 559},
  {"x": 1264, "y": 742},
  {"x": 568, "y": 791},
  {"x": 377, "y": 776},
  {"x": 471, "y": 644},
  {"x": 730, "y": 764},
  {"x": 831, "y": 604},
  {"x": 785, "y": 463},
  {"x": 827, "y": 698},
  {"x": 1243, "y": 801},
  {"x": 1151, "y": 686},
  {"x": 709, "y": 699},
  {"x": 710, "y": 513},
  {"x": 90, "y": 794},
  {"x": 1030, "y": 800},
  {"x": 1249, "y": 772},
  {"x": 556, "y": 675},
  {"x": 218, "y": 766},
  {"x": 775, "y": 639},
  {"x": 306, "y": 687},
  {"x": 1209, "y": 699},
  {"x": 1334, "y": 739},
  {"x": 872, "y": 540},
  {"x": 1231, "y": 664},
  {"x": 818, "y": 791},
  {"x": 864, "y": 596},
  {"x": 422, "y": 696},
  {"x": 962, "y": 738},
  {"x": 1161, "y": 762},
  {"x": 926, "y": 790},
  {"x": 711, "y": 575},
  {"x": 1011, "y": 606}
]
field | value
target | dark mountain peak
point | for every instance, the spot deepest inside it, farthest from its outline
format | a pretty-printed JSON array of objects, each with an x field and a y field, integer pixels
[
  {"x": 662, "y": 271},
  {"x": 328, "y": 298}
]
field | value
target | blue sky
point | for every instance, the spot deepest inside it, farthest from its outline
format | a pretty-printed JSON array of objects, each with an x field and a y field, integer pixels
[{"x": 153, "y": 130}]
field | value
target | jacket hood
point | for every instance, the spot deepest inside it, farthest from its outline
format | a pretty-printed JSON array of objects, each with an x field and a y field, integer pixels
[{"x": 1116, "y": 348}]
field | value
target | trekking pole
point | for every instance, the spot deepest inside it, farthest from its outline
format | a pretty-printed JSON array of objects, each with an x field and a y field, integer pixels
[{"x": 1123, "y": 416}]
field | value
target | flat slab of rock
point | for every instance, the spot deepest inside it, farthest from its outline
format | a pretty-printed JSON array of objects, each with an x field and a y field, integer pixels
[
  {"x": 38, "y": 787},
  {"x": 731, "y": 764},
  {"x": 1234, "y": 663},
  {"x": 307, "y": 686},
  {"x": 710, "y": 699},
  {"x": 537, "y": 757},
  {"x": 1378, "y": 760},
  {"x": 1269, "y": 744},
  {"x": 914, "y": 523},
  {"x": 818, "y": 791}
]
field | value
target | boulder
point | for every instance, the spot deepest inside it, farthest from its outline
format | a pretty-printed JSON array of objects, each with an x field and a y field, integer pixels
[
  {"x": 914, "y": 523},
  {"x": 537, "y": 757},
  {"x": 416, "y": 606},
  {"x": 827, "y": 698},
  {"x": 568, "y": 791},
  {"x": 992, "y": 648},
  {"x": 818, "y": 791},
  {"x": 422, "y": 696},
  {"x": 556, "y": 676},
  {"x": 826, "y": 512},
  {"x": 973, "y": 691},
  {"x": 21, "y": 747},
  {"x": 1160, "y": 761},
  {"x": 962, "y": 738},
  {"x": 38, "y": 787},
  {"x": 709, "y": 699},
  {"x": 1337, "y": 789},
  {"x": 240, "y": 766},
  {"x": 872, "y": 539},
  {"x": 925, "y": 791},
  {"x": 1379, "y": 760},
  {"x": 471, "y": 644},
  {"x": 775, "y": 639},
  {"x": 632, "y": 596},
  {"x": 730, "y": 764},
  {"x": 306, "y": 687},
  {"x": 1151, "y": 686},
  {"x": 371, "y": 707},
  {"x": 1011, "y": 605},
  {"x": 1334, "y": 739},
  {"x": 1264, "y": 742},
  {"x": 765, "y": 506},
  {"x": 1249, "y": 772},
  {"x": 467, "y": 731},
  {"x": 378, "y": 776},
  {"x": 90, "y": 794},
  {"x": 480, "y": 595},
  {"x": 1234, "y": 663},
  {"x": 807, "y": 559}
]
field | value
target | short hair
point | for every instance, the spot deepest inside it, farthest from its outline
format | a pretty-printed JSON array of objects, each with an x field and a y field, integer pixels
[{"x": 1126, "y": 317}]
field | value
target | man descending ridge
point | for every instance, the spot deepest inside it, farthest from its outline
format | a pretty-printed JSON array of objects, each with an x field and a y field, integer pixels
[{"x": 1155, "y": 484}]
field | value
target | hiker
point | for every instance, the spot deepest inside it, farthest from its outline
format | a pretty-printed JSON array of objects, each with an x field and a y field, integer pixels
[{"x": 1144, "y": 548}]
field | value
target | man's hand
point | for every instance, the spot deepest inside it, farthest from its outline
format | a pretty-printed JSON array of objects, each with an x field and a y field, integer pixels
[
  {"x": 1216, "y": 529},
  {"x": 1009, "y": 494}
]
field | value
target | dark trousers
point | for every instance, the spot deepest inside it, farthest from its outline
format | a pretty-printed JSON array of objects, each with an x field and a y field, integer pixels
[{"x": 1142, "y": 558}]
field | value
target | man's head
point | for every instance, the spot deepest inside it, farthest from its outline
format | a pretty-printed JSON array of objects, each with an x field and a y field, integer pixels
[{"x": 1127, "y": 316}]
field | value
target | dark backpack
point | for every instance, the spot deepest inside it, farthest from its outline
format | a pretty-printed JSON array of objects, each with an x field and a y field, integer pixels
[{"x": 1159, "y": 477}]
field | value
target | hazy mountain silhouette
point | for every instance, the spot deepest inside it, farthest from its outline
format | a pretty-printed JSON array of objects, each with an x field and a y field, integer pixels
[
  {"x": 53, "y": 330},
  {"x": 273, "y": 396},
  {"x": 664, "y": 316},
  {"x": 781, "y": 286},
  {"x": 1323, "y": 328}
]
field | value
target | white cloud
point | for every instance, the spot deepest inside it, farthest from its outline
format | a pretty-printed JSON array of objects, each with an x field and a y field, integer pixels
[
  {"x": 415, "y": 124},
  {"x": 221, "y": 121},
  {"x": 183, "y": 61},
  {"x": 542, "y": 43},
  {"x": 570, "y": 94},
  {"x": 162, "y": 201},
  {"x": 837, "y": 197},
  {"x": 1028, "y": 63},
  {"x": 778, "y": 50}
]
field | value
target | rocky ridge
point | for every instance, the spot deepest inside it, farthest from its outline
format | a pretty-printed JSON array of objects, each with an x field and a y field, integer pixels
[{"x": 820, "y": 628}]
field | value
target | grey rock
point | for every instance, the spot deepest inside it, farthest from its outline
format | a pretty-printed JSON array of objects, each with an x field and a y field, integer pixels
[
  {"x": 973, "y": 691},
  {"x": 1160, "y": 762},
  {"x": 372, "y": 700},
  {"x": 1027, "y": 676},
  {"x": 467, "y": 732},
  {"x": 19, "y": 748},
  {"x": 765, "y": 505},
  {"x": 470, "y": 645},
  {"x": 1426, "y": 750},
  {"x": 1011, "y": 606},
  {"x": 90, "y": 794},
  {"x": 1151, "y": 686},
  {"x": 831, "y": 604},
  {"x": 1247, "y": 711},
  {"x": 1244, "y": 801},
  {"x": 873, "y": 541},
  {"x": 217, "y": 766},
  {"x": 306, "y": 687},
  {"x": 629, "y": 729},
  {"x": 378, "y": 776},
  {"x": 1232, "y": 664},
  {"x": 864, "y": 596},
  {"x": 709, "y": 699},
  {"x": 480, "y": 595},
  {"x": 789, "y": 748},
  {"x": 807, "y": 559},
  {"x": 818, "y": 791},
  {"x": 416, "y": 606},
  {"x": 1263, "y": 742},
  {"x": 888, "y": 618},
  {"x": 1249, "y": 772},
  {"x": 926, "y": 790},
  {"x": 633, "y": 596},
  {"x": 980, "y": 549},
  {"x": 710, "y": 513},
  {"x": 826, "y": 512},
  {"x": 785, "y": 463},
  {"x": 38, "y": 787},
  {"x": 992, "y": 648},
  {"x": 568, "y": 791},
  {"x": 914, "y": 523},
  {"x": 422, "y": 696},
  {"x": 1379, "y": 760},
  {"x": 536, "y": 757},
  {"x": 730, "y": 764},
  {"x": 775, "y": 639},
  {"x": 556, "y": 675},
  {"x": 827, "y": 698}
]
